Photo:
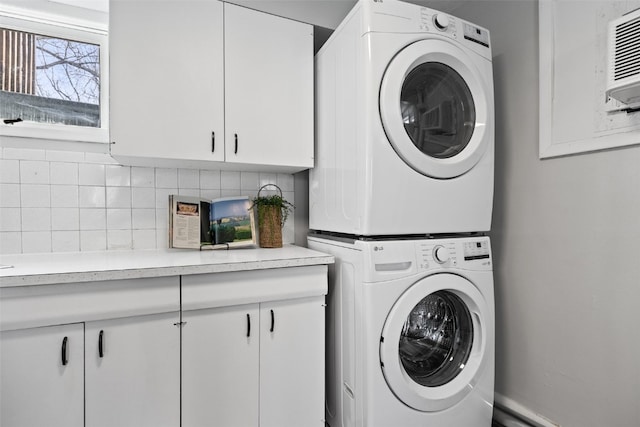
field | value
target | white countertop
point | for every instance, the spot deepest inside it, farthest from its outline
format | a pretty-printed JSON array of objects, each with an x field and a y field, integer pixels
[{"x": 50, "y": 268}]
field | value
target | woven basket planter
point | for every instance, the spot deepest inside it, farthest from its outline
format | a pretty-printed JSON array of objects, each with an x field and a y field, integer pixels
[
  {"x": 270, "y": 226},
  {"x": 272, "y": 213}
]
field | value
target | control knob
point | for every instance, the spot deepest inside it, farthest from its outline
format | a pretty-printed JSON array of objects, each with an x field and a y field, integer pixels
[
  {"x": 441, "y": 21},
  {"x": 441, "y": 254}
]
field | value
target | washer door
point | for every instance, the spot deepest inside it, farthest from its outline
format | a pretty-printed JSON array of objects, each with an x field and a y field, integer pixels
[
  {"x": 433, "y": 342},
  {"x": 434, "y": 108}
]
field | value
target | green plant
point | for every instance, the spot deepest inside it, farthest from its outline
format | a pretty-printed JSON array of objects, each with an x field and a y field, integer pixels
[{"x": 275, "y": 200}]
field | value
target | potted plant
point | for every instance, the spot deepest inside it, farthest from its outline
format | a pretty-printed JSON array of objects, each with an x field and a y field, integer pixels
[{"x": 273, "y": 210}]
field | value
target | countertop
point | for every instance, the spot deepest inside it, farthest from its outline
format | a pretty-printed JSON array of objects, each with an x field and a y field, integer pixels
[{"x": 50, "y": 268}]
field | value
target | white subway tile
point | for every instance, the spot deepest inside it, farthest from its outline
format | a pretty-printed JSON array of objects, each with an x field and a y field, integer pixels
[
  {"x": 250, "y": 181},
  {"x": 36, "y": 219},
  {"x": 94, "y": 240},
  {"x": 162, "y": 197},
  {"x": 64, "y": 156},
  {"x": 10, "y": 219},
  {"x": 118, "y": 197},
  {"x": 230, "y": 193},
  {"x": 143, "y": 219},
  {"x": 64, "y": 173},
  {"x": 65, "y": 219},
  {"x": 36, "y": 242},
  {"x": 93, "y": 219},
  {"x": 9, "y": 195},
  {"x": 35, "y": 196},
  {"x": 34, "y": 172},
  {"x": 162, "y": 218},
  {"x": 118, "y": 176},
  {"x": 230, "y": 180},
  {"x": 268, "y": 178},
  {"x": 285, "y": 181},
  {"x": 118, "y": 219},
  {"x": 144, "y": 239},
  {"x": 143, "y": 197},
  {"x": 23, "y": 154},
  {"x": 99, "y": 158},
  {"x": 143, "y": 177},
  {"x": 65, "y": 241},
  {"x": 162, "y": 238},
  {"x": 166, "y": 178},
  {"x": 64, "y": 196},
  {"x": 91, "y": 174},
  {"x": 209, "y": 180},
  {"x": 10, "y": 242},
  {"x": 210, "y": 194},
  {"x": 188, "y": 178},
  {"x": 119, "y": 239},
  {"x": 9, "y": 171},
  {"x": 91, "y": 197},
  {"x": 192, "y": 192}
]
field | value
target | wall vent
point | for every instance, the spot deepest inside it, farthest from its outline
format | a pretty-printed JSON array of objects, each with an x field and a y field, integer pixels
[{"x": 623, "y": 75}]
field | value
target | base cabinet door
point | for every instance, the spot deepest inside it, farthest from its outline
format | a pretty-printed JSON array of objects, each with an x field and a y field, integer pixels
[
  {"x": 133, "y": 371},
  {"x": 292, "y": 363},
  {"x": 220, "y": 369},
  {"x": 42, "y": 376}
]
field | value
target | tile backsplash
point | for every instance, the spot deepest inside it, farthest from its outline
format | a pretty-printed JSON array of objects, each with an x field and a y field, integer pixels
[{"x": 62, "y": 201}]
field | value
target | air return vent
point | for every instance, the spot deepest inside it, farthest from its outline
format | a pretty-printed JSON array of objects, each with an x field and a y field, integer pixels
[{"x": 623, "y": 75}]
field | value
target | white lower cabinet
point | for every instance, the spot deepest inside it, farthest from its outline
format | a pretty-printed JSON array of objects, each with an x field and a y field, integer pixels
[
  {"x": 227, "y": 349},
  {"x": 42, "y": 376},
  {"x": 253, "y": 348},
  {"x": 132, "y": 371},
  {"x": 121, "y": 372},
  {"x": 254, "y": 365},
  {"x": 220, "y": 349},
  {"x": 292, "y": 363}
]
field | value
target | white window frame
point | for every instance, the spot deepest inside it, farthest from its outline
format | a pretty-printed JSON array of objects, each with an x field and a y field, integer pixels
[{"x": 71, "y": 28}]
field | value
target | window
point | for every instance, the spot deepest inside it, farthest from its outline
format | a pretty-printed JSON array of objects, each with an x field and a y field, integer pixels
[{"x": 52, "y": 78}]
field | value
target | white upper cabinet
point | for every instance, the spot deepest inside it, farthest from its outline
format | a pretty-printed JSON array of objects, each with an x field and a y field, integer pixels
[
  {"x": 210, "y": 85},
  {"x": 167, "y": 87},
  {"x": 268, "y": 89}
]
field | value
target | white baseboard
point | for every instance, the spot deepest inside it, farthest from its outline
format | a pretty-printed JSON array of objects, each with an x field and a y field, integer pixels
[{"x": 510, "y": 413}]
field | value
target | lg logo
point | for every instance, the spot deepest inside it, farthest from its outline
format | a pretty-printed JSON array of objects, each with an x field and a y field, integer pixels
[{"x": 378, "y": 248}]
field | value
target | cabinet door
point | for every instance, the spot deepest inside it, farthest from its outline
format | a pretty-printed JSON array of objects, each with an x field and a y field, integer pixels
[
  {"x": 37, "y": 387},
  {"x": 133, "y": 372},
  {"x": 166, "y": 79},
  {"x": 292, "y": 363},
  {"x": 268, "y": 89},
  {"x": 220, "y": 370}
]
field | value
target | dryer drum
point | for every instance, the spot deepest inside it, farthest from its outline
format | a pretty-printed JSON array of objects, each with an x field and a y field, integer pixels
[
  {"x": 436, "y": 339},
  {"x": 437, "y": 110}
]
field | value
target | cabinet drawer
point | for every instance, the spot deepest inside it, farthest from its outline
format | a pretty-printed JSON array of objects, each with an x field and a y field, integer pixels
[
  {"x": 247, "y": 287},
  {"x": 33, "y": 306}
]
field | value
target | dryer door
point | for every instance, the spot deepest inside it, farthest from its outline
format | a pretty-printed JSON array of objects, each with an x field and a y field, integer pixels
[
  {"x": 435, "y": 108},
  {"x": 434, "y": 342}
]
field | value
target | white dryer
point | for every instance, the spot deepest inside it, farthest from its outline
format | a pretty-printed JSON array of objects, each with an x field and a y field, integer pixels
[
  {"x": 410, "y": 327},
  {"x": 404, "y": 124}
]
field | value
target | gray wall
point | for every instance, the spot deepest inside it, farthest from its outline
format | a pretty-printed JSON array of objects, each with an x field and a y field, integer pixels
[{"x": 566, "y": 240}]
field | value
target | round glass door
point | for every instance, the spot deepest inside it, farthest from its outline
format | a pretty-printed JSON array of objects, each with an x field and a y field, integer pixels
[
  {"x": 436, "y": 108},
  {"x": 438, "y": 111},
  {"x": 436, "y": 339},
  {"x": 434, "y": 342}
]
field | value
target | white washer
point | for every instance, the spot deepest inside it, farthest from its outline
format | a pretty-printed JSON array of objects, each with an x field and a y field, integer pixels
[
  {"x": 410, "y": 332},
  {"x": 404, "y": 124}
]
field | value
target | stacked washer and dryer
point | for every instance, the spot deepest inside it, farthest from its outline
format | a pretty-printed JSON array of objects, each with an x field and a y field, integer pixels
[{"x": 402, "y": 196}]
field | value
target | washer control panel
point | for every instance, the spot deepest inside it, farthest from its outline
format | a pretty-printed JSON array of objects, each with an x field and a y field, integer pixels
[{"x": 472, "y": 253}]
